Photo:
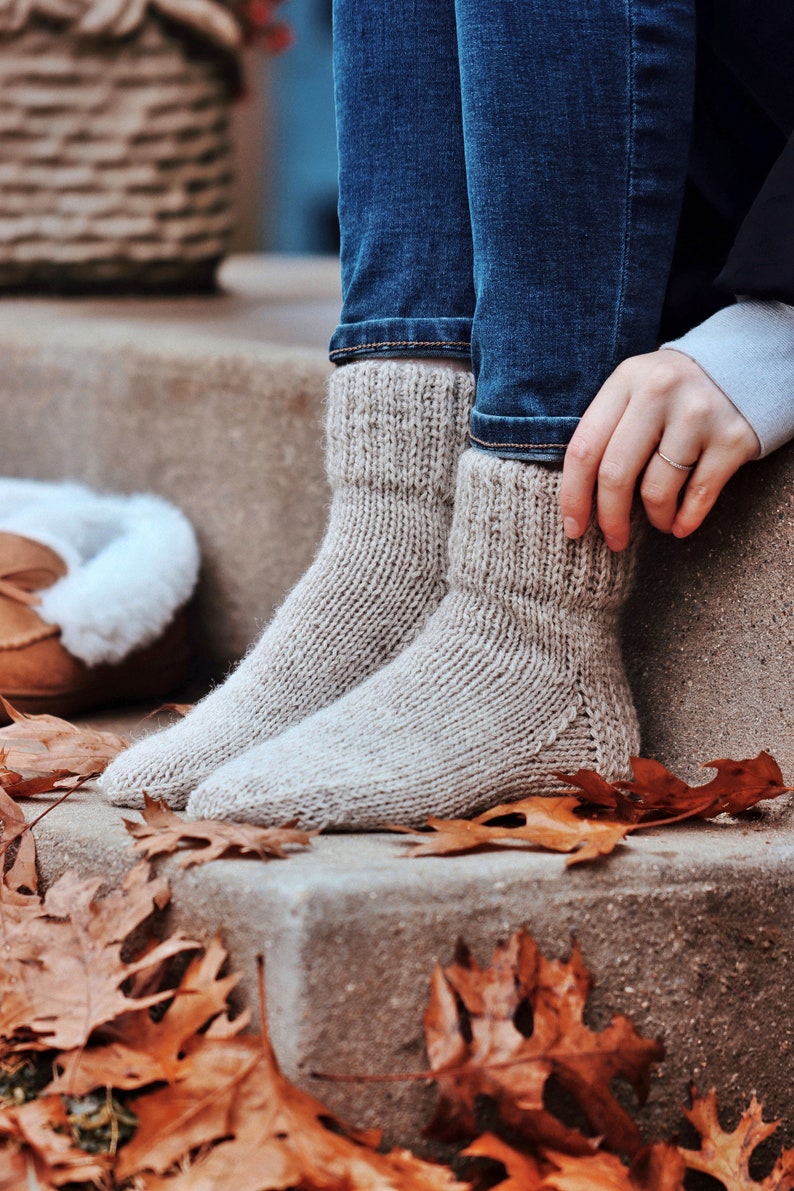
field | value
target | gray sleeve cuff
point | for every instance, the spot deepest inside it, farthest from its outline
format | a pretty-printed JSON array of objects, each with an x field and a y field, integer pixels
[{"x": 748, "y": 350}]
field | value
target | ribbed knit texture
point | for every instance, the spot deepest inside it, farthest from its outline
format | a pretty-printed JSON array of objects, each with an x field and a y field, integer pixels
[
  {"x": 517, "y": 674},
  {"x": 395, "y": 432}
]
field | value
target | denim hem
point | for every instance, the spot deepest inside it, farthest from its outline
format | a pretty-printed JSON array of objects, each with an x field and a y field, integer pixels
[
  {"x": 393, "y": 338},
  {"x": 543, "y": 440}
]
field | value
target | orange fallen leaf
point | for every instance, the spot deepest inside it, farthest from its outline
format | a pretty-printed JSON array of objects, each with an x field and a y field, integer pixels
[
  {"x": 39, "y": 744},
  {"x": 63, "y": 970},
  {"x": 47, "y": 783},
  {"x": 600, "y": 814},
  {"x": 726, "y": 1156},
  {"x": 267, "y": 1133},
  {"x": 503, "y": 1031},
  {"x": 20, "y": 878},
  {"x": 656, "y": 793},
  {"x": 163, "y": 833},
  {"x": 137, "y": 1049},
  {"x": 657, "y": 1168},
  {"x": 522, "y": 1170},
  {"x": 550, "y": 823},
  {"x": 180, "y": 709},
  {"x": 53, "y": 1159}
]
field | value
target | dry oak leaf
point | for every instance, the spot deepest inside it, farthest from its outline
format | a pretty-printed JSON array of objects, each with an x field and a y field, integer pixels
[
  {"x": 656, "y": 793},
  {"x": 20, "y": 878},
  {"x": 63, "y": 969},
  {"x": 551, "y": 823},
  {"x": 658, "y": 1168},
  {"x": 726, "y": 1156},
  {"x": 522, "y": 1171},
  {"x": 136, "y": 1049},
  {"x": 270, "y": 1135},
  {"x": 40, "y": 744},
  {"x": 47, "y": 1155},
  {"x": 163, "y": 833},
  {"x": 503, "y": 1031}
]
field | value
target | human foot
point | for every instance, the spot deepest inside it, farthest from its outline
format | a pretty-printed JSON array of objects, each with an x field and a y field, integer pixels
[
  {"x": 395, "y": 433},
  {"x": 517, "y": 674}
]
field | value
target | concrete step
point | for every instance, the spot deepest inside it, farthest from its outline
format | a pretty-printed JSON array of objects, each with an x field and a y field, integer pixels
[{"x": 688, "y": 930}]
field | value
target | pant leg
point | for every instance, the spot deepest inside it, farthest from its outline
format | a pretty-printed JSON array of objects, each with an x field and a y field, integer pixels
[
  {"x": 406, "y": 248},
  {"x": 576, "y": 128}
]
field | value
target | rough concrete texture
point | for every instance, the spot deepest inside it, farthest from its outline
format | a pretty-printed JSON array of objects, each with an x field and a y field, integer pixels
[
  {"x": 688, "y": 930},
  {"x": 710, "y": 630},
  {"x": 161, "y": 396}
]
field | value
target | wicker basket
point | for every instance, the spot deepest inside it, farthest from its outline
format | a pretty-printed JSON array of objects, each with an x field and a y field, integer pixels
[{"x": 114, "y": 158}]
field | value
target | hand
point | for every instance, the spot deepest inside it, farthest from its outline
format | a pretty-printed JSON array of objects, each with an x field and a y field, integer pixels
[{"x": 662, "y": 400}]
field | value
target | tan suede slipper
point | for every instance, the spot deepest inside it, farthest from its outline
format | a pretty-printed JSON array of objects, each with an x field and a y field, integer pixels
[{"x": 37, "y": 674}]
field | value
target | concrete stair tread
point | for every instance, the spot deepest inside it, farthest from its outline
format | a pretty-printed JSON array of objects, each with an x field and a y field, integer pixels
[
  {"x": 261, "y": 300},
  {"x": 688, "y": 930}
]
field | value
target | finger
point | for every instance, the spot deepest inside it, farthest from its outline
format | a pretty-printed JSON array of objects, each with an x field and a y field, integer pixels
[
  {"x": 624, "y": 459},
  {"x": 585, "y": 451},
  {"x": 663, "y": 480},
  {"x": 705, "y": 484}
]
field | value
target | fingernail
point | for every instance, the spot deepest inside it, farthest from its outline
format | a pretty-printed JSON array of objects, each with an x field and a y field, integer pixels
[
  {"x": 571, "y": 526},
  {"x": 613, "y": 543}
]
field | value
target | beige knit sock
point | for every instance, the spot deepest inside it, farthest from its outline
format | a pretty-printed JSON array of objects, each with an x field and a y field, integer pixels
[
  {"x": 516, "y": 674},
  {"x": 395, "y": 433}
]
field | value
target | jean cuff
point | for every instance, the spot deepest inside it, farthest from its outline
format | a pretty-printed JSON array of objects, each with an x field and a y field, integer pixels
[
  {"x": 541, "y": 440},
  {"x": 393, "y": 338}
]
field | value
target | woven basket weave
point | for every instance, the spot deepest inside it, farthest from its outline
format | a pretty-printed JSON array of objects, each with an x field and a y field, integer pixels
[{"x": 114, "y": 159}]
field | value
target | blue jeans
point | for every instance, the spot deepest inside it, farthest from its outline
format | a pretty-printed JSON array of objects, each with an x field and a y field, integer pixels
[{"x": 511, "y": 176}]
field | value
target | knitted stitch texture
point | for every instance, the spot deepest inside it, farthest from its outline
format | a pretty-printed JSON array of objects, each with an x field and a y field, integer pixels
[
  {"x": 517, "y": 674},
  {"x": 395, "y": 432}
]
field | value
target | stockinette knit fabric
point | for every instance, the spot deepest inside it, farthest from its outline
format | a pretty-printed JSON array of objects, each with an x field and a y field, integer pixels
[
  {"x": 395, "y": 432},
  {"x": 517, "y": 674}
]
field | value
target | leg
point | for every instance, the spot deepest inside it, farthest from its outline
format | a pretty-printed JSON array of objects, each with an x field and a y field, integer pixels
[
  {"x": 574, "y": 178},
  {"x": 395, "y": 429},
  {"x": 576, "y": 152}
]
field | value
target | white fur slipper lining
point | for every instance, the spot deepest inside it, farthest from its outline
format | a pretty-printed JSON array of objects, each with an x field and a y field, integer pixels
[{"x": 132, "y": 562}]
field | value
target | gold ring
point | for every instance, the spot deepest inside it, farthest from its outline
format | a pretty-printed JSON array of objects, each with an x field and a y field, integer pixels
[{"x": 672, "y": 462}]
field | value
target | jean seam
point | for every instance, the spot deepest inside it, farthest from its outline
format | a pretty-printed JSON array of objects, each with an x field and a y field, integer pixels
[
  {"x": 529, "y": 446},
  {"x": 631, "y": 154},
  {"x": 341, "y": 351}
]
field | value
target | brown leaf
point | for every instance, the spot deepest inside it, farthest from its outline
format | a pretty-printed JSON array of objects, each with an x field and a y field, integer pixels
[
  {"x": 659, "y": 1167},
  {"x": 163, "y": 832},
  {"x": 63, "y": 967},
  {"x": 657, "y": 794},
  {"x": 137, "y": 1049},
  {"x": 656, "y": 1168},
  {"x": 522, "y": 1171},
  {"x": 269, "y": 1133},
  {"x": 550, "y": 823},
  {"x": 591, "y": 1172},
  {"x": 43, "y": 1127},
  {"x": 41, "y": 743},
  {"x": 48, "y": 783},
  {"x": 503, "y": 1031},
  {"x": 180, "y": 709},
  {"x": 726, "y": 1156},
  {"x": 19, "y": 877}
]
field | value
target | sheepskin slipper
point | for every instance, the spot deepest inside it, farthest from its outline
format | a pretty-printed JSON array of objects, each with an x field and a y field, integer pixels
[{"x": 38, "y": 674}]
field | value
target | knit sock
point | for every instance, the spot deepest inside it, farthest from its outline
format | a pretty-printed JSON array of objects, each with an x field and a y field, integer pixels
[
  {"x": 395, "y": 432},
  {"x": 517, "y": 674}
]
